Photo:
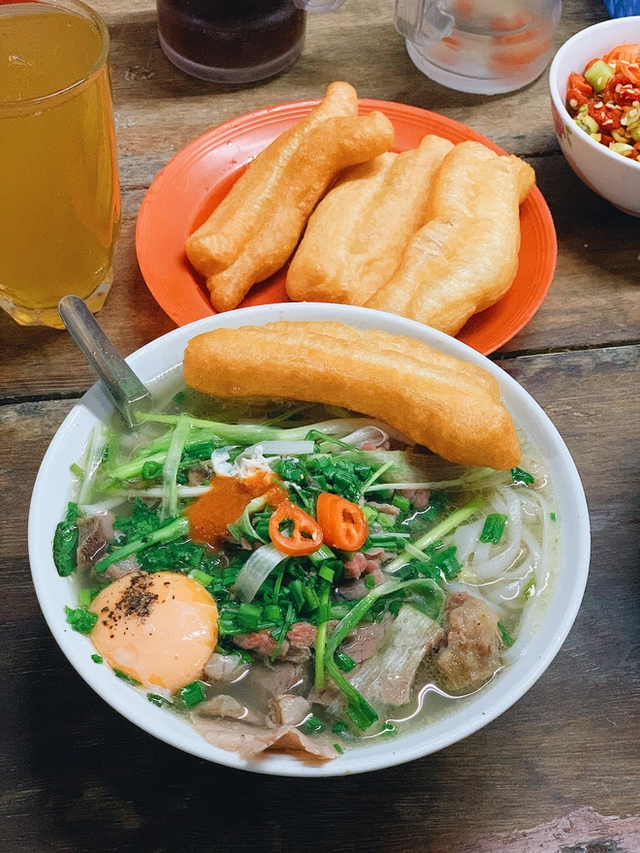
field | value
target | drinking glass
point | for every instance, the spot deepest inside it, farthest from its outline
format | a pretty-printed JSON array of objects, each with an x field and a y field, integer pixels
[
  {"x": 482, "y": 46},
  {"x": 59, "y": 191}
]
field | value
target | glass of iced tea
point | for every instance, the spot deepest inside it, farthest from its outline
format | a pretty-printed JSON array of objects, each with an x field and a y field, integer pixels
[{"x": 59, "y": 191}]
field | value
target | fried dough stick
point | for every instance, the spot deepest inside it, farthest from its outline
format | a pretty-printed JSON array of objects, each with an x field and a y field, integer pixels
[
  {"x": 356, "y": 237},
  {"x": 436, "y": 400},
  {"x": 466, "y": 257},
  {"x": 253, "y": 231}
]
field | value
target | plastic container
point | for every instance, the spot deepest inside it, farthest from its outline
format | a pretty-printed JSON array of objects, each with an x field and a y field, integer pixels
[{"x": 482, "y": 46}]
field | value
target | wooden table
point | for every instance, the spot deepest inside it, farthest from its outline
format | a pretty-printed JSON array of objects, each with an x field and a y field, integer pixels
[{"x": 78, "y": 777}]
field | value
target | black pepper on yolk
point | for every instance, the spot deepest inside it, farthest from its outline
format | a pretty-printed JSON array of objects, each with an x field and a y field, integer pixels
[{"x": 159, "y": 628}]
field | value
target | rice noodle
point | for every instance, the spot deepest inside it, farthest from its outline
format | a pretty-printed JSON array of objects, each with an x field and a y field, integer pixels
[
  {"x": 495, "y": 566},
  {"x": 365, "y": 435}
]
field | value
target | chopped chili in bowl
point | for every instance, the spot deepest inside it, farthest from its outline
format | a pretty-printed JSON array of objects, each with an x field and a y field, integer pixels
[{"x": 604, "y": 101}]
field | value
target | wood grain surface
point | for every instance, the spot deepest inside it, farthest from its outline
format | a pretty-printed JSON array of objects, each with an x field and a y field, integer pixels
[{"x": 78, "y": 777}]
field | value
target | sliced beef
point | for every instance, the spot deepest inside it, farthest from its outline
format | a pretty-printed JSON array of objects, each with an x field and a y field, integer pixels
[
  {"x": 95, "y": 534},
  {"x": 471, "y": 651},
  {"x": 357, "y": 588},
  {"x": 363, "y": 564},
  {"x": 288, "y": 710},
  {"x": 197, "y": 474},
  {"x": 363, "y": 642},
  {"x": 223, "y": 669},
  {"x": 274, "y": 679},
  {"x": 122, "y": 568},
  {"x": 257, "y": 641},
  {"x": 418, "y": 497},
  {"x": 250, "y": 742},
  {"x": 388, "y": 509},
  {"x": 377, "y": 444},
  {"x": 301, "y": 637},
  {"x": 226, "y": 707}
]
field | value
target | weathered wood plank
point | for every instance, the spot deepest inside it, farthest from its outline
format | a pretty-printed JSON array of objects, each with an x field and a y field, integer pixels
[{"x": 76, "y": 774}]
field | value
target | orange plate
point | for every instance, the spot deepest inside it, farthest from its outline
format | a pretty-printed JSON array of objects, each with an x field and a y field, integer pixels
[{"x": 195, "y": 181}]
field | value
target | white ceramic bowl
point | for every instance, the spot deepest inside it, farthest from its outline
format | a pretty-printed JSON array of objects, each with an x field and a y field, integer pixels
[
  {"x": 609, "y": 174},
  {"x": 51, "y": 494}
]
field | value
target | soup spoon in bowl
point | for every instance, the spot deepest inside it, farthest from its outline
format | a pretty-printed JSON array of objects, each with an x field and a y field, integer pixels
[{"x": 129, "y": 395}]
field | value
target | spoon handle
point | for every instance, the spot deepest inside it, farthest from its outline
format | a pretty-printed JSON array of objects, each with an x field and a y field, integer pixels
[{"x": 128, "y": 393}]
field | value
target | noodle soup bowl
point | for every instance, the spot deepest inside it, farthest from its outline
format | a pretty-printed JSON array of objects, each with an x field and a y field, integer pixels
[{"x": 53, "y": 486}]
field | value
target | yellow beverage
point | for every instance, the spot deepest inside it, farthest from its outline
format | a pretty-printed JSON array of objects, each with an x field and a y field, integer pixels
[{"x": 59, "y": 193}]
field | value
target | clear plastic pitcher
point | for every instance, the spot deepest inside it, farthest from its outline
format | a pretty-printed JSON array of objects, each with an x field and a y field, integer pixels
[
  {"x": 483, "y": 46},
  {"x": 235, "y": 41}
]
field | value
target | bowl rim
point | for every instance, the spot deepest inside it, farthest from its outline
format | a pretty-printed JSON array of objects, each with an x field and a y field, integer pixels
[
  {"x": 520, "y": 676},
  {"x": 559, "y": 102}
]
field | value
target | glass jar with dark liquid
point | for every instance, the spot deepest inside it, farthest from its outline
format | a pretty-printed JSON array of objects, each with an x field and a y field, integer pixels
[{"x": 235, "y": 41}]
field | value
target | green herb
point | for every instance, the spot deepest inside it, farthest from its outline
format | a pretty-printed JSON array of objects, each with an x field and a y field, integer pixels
[
  {"x": 142, "y": 521},
  {"x": 174, "y": 529},
  {"x": 80, "y": 619},
  {"x": 284, "y": 630},
  {"x": 176, "y": 557},
  {"x": 326, "y": 573},
  {"x": 339, "y": 728},
  {"x": 384, "y": 520},
  {"x": 507, "y": 639},
  {"x": 312, "y": 597},
  {"x": 369, "y": 513},
  {"x": 151, "y": 470},
  {"x": 447, "y": 526},
  {"x": 65, "y": 542},
  {"x": 97, "y": 658},
  {"x": 388, "y": 730},
  {"x": 493, "y": 528},
  {"x": 345, "y": 662},
  {"x": 369, "y": 581},
  {"x": 193, "y": 694},
  {"x": 338, "y": 748},
  {"x": 86, "y": 596},
  {"x": 201, "y": 577},
  {"x": 124, "y": 677},
  {"x": 76, "y": 469},
  {"x": 530, "y": 588},
  {"x": 552, "y": 516},
  {"x": 249, "y": 616},
  {"x": 158, "y": 700},
  {"x": 312, "y": 725},
  {"x": 324, "y": 612},
  {"x": 403, "y": 504},
  {"x": 522, "y": 478},
  {"x": 297, "y": 593},
  {"x": 272, "y": 613}
]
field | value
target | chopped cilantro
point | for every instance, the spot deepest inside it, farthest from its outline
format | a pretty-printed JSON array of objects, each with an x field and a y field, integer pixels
[
  {"x": 81, "y": 619},
  {"x": 522, "y": 478},
  {"x": 158, "y": 700},
  {"x": 97, "y": 658},
  {"x": 493, "y": 528},
  {"x": 507, "y": 639},
  {"x": 312, "y": 725},
  {"x": 65, "y": 542}
]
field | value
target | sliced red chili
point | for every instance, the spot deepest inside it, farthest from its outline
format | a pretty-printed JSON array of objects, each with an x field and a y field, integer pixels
[
  {"x": 343, "y": 523},
  {"x": 304, "y": 535},
  {"x": 577, "y": 81}
]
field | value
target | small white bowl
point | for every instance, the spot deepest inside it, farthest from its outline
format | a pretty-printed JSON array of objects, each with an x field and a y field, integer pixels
[
  {"x": 50, "y": 498},
  {"x": 611, "y": 175}
]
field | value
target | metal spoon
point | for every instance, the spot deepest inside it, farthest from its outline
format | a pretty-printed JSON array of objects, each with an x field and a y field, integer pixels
[{"x": 129, "y": 395}]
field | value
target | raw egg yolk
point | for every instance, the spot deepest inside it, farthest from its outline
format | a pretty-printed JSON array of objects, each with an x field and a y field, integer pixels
[{"x": 159, "y": 628}]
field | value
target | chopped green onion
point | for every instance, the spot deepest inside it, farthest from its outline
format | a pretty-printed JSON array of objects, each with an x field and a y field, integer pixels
[
  {"x": 97, "y": 658},
  {"x": 324, "y": 614},
  {"x": 86, "y": 596},
  {"x": 369, "y": 513},
  {"x": 507, "y": 639},
  {"x": 296, "y": 591},
  {"x": 522, "y": 478},
  {"x": 323, "y": 553},
  {"x": 76, "y": 469},
  {"x": 124, "y": 677},
  {"x": 345, "y": 662},
  {"x": 369, "y": 581},
  {"x": 403, "y": 504},
  {"x": 201, "y": 577},
  {"x": 326, "y": 574},
  {"x": 272, "y": 613},
  {"x": 312, "y": 725},
  {"x": 193, "y": 694},
  {"x": 384, "y": 520},
  {"x": 388, "y": 730},
  {"x": 158, "y": 700},
  {"x": 284, "y": 630},
  {"x": 312, "y": 597},
  {"x": 552, "y": 516},
  {"x": 338, "y": 748},
  {"x": 80, "y": 619},
  {"x": 339, "y": 728},
  {"x": 249, "y": 616},
  {"x": 493, "y": 528},
  {"x": 530, "y": 588},
  {"x": 169, "y": 506},
  {"x": 375, "y": 476}
]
